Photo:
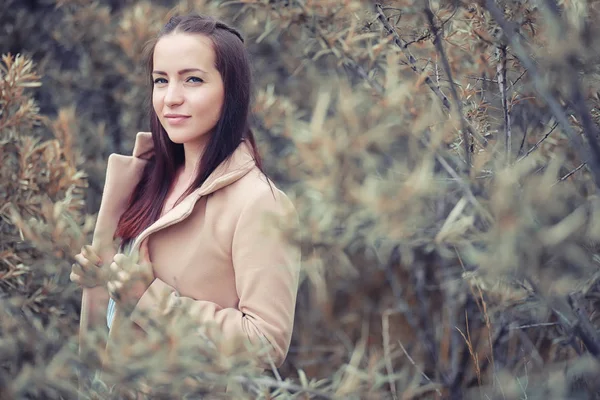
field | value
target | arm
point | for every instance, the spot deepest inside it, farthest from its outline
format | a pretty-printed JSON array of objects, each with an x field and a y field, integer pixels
[
  {"x": 123, "y": 174},
  {"x": 266, "y": 277}
]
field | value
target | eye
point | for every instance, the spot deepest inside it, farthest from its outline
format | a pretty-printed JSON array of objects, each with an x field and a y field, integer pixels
[
  {"x": 194, "y": 79},
  {"x": 160, "y": 80}
]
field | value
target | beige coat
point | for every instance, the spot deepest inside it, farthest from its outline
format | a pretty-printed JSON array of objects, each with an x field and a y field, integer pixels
[{"x": 212, "y": 253}]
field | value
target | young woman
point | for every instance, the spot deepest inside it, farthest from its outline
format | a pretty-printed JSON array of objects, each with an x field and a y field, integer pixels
[{"x": 184, "y": 221}]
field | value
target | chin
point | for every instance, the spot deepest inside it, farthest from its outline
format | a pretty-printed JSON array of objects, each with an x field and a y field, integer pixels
[{"x": 182, "y": 138}]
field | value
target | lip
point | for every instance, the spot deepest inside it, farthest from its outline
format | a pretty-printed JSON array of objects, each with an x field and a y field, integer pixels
[{"x": 176, "y": 119}]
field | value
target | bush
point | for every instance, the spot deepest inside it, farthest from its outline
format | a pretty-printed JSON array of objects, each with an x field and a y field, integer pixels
[{"x": 444, "y": 161}]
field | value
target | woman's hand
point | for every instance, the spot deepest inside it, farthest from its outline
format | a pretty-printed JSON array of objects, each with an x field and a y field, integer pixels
[
  {"x": 88, "y": 270},
  {"x": 130, "y": 277}
]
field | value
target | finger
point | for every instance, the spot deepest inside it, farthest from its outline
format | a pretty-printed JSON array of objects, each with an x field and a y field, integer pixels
[
  {"x": 84, "y": 263},
  {"x": 114, "y": 289},
  {"x": 76, "y": 268},
  {"x": 91, "y": 255},
  {"x": 88, "y": 278},
  {"x": 75, "y": 278},
  {"x": 114, "y": 267},
  {"x": 81, "y": 281},
  {"x": 111, "y": 290},
  {"x": 123, "y": 276},
  {"x": 120, "y": 258}
]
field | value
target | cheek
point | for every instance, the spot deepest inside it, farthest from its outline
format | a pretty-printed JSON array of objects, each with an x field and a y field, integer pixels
[
  {"x": 207, "y": 104},
  {"x": 156, "y": 102}
]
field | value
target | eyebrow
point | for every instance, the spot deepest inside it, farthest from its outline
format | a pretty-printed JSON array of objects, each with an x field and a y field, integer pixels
[{"x": 183, "y": 71}]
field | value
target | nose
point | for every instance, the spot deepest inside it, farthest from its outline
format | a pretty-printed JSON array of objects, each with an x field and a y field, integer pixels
[{"x": 174, "y": 95}]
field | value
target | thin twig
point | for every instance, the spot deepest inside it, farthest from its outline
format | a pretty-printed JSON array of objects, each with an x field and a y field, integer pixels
[
  {"x": 423, "y": 374},
  {"x": 501, "y": 68},
  {"x": 411, "y": 59},
  {"x": 272, "y": 383},
  {"x": 539, "y": 141},
  {"x": 523, "y": 141},
  {"x": 385, "y": 322},
  {"x": 580, "y": 328},
  {"x": 583, "y": 328},
  {"x": 412, "y": 62},
  {"x": 569, "y": 174},
  {"x": 593, "y": 159},
  {"x": 440, "y": 49},
  {"x": 347, "y": 60},
  {"x": 517, "y": 80},
  {"x": 464, "y": 186},
  {"x": 472, "y": 352},
  {"x": 542, "y": 324}
]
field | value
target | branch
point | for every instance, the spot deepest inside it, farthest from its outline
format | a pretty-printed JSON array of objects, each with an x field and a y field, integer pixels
[
  {"x": 539, "y": 142},
  {"x": 412, "y": 62},
  {"x": 591, "y": 160},
  {"x": 411, "y": 59},
  {"x": 580, "y": 328},
  {"x": 569, "y": 174},
  {"x": 501, "y": 68},
  {"x": 347, "y": 60},
  {"x": 583, "y": 328},
  {"x": 438, "y": 44}
]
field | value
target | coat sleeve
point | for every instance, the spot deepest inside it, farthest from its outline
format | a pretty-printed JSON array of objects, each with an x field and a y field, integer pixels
[
  {"x": 266, "y": 267},
  {"x": 122, "y": 175}
]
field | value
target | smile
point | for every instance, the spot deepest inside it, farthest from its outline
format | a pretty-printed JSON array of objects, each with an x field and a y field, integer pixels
[{"x": 176, "y": 119}]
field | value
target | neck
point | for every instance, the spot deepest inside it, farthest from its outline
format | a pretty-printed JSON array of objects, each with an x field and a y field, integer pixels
[{"x": 193, "y": 152}]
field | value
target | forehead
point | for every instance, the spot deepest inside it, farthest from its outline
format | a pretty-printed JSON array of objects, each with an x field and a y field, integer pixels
[{"x": 181, "y": 50}]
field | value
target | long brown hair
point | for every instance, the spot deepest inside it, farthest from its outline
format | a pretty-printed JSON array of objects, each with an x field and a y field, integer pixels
[{"x": 232, "y": 62}]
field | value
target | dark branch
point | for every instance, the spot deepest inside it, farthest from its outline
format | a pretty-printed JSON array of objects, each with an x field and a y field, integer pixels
[
  {"x": 440, "y": 49},
  {"x": 592, "y": 160}
]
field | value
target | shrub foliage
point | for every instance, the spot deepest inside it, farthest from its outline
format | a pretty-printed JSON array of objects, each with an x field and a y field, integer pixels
[{"x": 443, "y": 157}]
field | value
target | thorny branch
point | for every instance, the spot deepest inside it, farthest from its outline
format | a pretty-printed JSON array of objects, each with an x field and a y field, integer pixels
[
  {"x": 501, "y": 68},
  {"x": 347, "y": 60},
  {"x": 584, "y": 328},
  {"x": 571, "y": 173},
  {"x": 580, "y": 327},
  {"x": 539, "y": 141},
  {"x": 592, "y": 160},
  {"x": 411, "y": 59},
  {"x": 440, "y": 48}
]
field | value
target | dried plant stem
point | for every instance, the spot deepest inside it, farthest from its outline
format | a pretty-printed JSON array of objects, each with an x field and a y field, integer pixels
[
  {"x": 590, "y": 129},
  {"x": 385, "y": 322},
  {"x": 468, "y": 192},
  {"x": 440, "y": 49},
  {"x": 272, "y": 383},
  {"x": 501, "y": 68},
  {"x": 570, "y": 173},
  {"x": 584, "y": 329},
  {"x": 592, "y": 160},
  {"x": 423, "y": 374},
  {"x": 579, "y": 328},
  {"x": 435, "y": 88},
  {"x": 539, "y": 141},
  {"x": 347, "y": 60},
  {"x": 411, "y": 59},
  {"x": 472, "y": 352}
]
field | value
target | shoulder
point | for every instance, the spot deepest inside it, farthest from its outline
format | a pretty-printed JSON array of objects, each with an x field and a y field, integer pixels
[{"x": 255, "y": 192}]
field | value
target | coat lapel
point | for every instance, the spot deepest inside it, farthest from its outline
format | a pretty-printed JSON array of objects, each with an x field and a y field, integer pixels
[{"x": 239, "y": 164}]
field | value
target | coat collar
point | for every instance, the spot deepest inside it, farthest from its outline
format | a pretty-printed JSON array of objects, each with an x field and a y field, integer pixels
[{"x": 229, "y": 171}]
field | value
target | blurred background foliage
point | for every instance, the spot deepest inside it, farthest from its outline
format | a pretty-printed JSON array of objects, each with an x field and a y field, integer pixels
[{"x": 443, "y": 157}]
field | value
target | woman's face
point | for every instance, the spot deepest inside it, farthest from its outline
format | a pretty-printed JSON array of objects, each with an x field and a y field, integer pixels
[{"x": 188, "y": 90}]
